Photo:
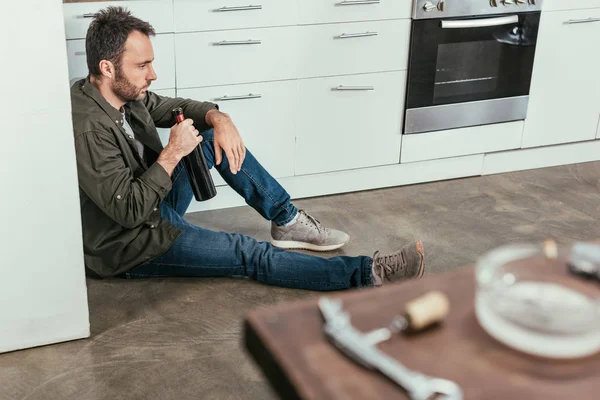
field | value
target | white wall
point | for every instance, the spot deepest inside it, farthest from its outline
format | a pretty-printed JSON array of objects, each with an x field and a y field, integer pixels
[{"x": 43, "y": 296}]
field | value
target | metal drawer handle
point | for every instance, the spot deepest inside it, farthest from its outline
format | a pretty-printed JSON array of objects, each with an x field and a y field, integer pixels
[
  {"x": 342, "y": 88},
  {"x": 480, "y": 23},
  {"x": 357, "y": 2},
  {"x": 582, "y": 21},
  {"x": 88, "y": 15},
  {"x": 243, "y": 97},
  {"x": 238, "y": 8},
  {"x": 355, "y": 35},
  {"x": 80, "y": 53},
  {"x": 237, "y": 42}
]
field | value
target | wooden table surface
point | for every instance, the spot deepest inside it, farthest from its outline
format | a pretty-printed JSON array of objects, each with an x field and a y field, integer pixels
[{"x": 287, "y": 343}]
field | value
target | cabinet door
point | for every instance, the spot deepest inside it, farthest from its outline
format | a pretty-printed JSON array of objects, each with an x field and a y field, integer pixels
[
  {"x": 264, "y": 114},
  {"x": 349, "y": 122},
  {"x": 564, "y": 104}
]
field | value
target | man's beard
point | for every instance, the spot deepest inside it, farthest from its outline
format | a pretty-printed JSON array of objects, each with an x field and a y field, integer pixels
[{"x": 126, "y": 90}]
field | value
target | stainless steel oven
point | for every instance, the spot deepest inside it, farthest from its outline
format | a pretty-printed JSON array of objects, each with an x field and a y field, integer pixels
[{"x": 470, "y": 62}]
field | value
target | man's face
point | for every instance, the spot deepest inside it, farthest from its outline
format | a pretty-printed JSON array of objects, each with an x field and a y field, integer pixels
[{"x": 136, "y": 73}]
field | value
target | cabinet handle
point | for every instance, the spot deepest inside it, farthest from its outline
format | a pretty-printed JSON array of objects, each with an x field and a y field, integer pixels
[
  {"x": 342, "y": 88},
  {"x": 243, "y": 97},
  {"x": 355, "y": 35},
  {"x": 236, "y": 42},
  {"x": 80, "y": 53},
  {"x": 88, "y": 15},
  {"x": 480, "y": 23},
  {"x": 356, "y": 2},
  {"x": 238, "y": 8},
  {"x": 582, "y": 21}
]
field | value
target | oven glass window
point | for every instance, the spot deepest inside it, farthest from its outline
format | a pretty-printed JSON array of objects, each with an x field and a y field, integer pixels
[
  {"x": 466, "y": 70},
  {"x": 449, "y": 66}
]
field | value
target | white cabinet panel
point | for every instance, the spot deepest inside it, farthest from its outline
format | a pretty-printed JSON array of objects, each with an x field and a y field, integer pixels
[
  {"x": 338, "y": 49},
  {"x": 349, "y": 122},
  {"x": 164, "y": 60},
  {"x": 541, "y": 157},
  {"x": 555, "y": 5},
  {"x": 265, "y": 115},
  {"x": 461, "y": 142},
  {"x": 159, "y": 13},
  {"x": 324, "y": 11},
  {"x": 210, "y": 15},
  {"x": 564, "y": 103},
  {"x": 231, "y": 57}
]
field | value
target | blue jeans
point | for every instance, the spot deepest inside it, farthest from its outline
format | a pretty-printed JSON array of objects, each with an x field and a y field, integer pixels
[{"x": 201, "y": 252}]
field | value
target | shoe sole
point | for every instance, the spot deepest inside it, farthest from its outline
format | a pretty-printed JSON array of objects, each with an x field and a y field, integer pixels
[
  {"x": 292, "y": 245},
  {"x": 421, "y": 252}
]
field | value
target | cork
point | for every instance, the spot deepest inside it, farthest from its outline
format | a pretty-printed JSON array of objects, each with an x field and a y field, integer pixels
[{"x": 427, "y": 310}]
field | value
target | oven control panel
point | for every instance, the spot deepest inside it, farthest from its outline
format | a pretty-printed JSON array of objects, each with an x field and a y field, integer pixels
[{"x": 430, "y": 9}]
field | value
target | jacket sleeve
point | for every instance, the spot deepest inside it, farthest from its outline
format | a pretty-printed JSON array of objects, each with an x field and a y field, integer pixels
[
  {"x": 105, "y": 178},
  {"x": 161, "y": 108}
]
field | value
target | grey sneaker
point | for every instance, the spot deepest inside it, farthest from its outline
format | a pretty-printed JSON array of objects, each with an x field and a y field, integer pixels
[
  {"x": 408, "y": 263},
  {"x": 307, "y": 233}
]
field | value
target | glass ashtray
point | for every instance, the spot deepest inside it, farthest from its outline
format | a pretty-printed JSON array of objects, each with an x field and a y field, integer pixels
[{"x": 541, "y": 300}]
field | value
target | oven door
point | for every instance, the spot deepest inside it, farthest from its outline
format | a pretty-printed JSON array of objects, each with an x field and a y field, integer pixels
[{"x": 469, "y": 71}]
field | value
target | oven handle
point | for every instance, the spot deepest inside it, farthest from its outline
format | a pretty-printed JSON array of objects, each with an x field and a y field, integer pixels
[{"x": 480, "y": 23}]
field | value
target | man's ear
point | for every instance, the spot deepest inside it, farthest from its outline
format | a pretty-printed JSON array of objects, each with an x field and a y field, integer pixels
[{"x": 107, "y": 69}]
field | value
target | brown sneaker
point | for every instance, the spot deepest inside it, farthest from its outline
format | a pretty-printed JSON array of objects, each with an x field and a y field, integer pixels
[
  {"x": 307, "y": 233},
  {"x": 408, "y": 263}
]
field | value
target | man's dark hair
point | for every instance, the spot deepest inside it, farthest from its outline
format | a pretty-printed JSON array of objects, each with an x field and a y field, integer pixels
[{"x": 107, "y": 34}]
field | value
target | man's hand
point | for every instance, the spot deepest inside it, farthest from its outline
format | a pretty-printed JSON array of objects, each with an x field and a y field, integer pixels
[
  {"x": 183, "y": 140},
  {"x": 227, "y": 139}
]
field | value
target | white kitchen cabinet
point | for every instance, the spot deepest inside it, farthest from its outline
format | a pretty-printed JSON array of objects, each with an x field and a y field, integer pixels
[
  {"x": 461, "y": 142},
  {"x": 236, "y": 56},
  {"x": 164, "y": 60},
  {"x": 77, "y": 16},
  {"x": 555, "y": 5},
  {"x": 212, "y": 15},
  {"x": 265, "y": 115},
  {"x": 564, "y": 104},
  {"x": 349, "y": 122},
  {"x": 328, "y": 11},
  {"x": 359, "y": 47}
]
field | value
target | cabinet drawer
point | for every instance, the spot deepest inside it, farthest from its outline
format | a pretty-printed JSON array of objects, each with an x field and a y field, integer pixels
[
  {"x": 231, "y": 57},
  {"x": 349, "y": 122},
  {"x": 164, "y": 60},
  {"x": 159, "y": 13},
  {"x": 324, "y": 11},
  {"x": 338, "y": 49},
  {"x": 264, "y": 114},
  {"x": 210, "y": 15}
]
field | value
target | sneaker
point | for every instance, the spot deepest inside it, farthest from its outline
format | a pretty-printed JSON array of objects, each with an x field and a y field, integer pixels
[
  {"x": 307, "y": 233},
  {"x": 408, "y": 263}
]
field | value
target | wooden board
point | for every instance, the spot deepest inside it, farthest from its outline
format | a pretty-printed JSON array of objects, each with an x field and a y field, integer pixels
[{"x": 287, "y": 343}]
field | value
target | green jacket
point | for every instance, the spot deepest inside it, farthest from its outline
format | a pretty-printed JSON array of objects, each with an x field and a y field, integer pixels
[{"x": 120, "y": 193}]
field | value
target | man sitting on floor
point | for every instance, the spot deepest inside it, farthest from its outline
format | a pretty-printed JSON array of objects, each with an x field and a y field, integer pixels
[{"x": 134, "y": 193}]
